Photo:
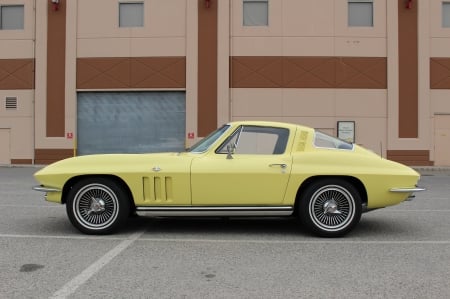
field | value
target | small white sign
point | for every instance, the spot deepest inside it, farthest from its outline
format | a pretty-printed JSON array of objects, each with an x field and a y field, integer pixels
[{"x": 346, "y": 131}]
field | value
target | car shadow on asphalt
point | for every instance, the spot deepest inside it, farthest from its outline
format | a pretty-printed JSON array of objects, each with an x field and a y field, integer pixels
[
  {"x": 275, "y": 227},
  {"x": 216, "y": 225},
  {"x": 367, "y": 228}
]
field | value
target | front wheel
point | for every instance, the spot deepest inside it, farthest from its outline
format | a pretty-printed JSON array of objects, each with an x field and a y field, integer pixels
[
  {"x": 330, "y": 207},
  {"x": 97, "y": 206}
]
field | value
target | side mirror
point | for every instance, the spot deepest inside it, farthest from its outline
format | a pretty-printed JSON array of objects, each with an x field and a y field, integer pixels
[{"x": 231, "y": 148}]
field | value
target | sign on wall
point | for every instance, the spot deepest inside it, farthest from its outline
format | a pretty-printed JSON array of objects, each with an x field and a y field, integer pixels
[{"x": 346, "y": 131}]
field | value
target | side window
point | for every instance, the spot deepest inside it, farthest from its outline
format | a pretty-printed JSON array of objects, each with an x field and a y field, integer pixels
[
  {"x": 323, "y": 140},
  {"x": 253, "y": 140},
  {"x": 446, "y": 14},
  {"x": 360, "y": 13},
  {"x": 131, "y": 14},
  {"x": 11, "y": 17},
  {"x": 255, "y": 12}
]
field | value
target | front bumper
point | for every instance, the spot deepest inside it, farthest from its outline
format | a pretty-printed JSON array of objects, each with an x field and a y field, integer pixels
[
  {"x": 52, "y": 194},
  {"x": 45, "y": 189}
]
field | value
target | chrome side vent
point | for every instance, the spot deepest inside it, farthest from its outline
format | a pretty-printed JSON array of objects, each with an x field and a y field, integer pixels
[
  {"x": 11, "y": 103},
  {"x": 158, "y": 189}
]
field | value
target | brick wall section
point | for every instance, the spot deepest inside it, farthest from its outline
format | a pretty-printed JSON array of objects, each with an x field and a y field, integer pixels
[{"x": 410, "y": 157}]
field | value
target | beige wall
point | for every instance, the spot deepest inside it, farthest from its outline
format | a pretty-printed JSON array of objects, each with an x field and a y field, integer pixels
[
  {"x": 5, "y": 148},
  {"x": 19, "y": 43},
  {"x": 442, "y": 139},
  {"x": 41, "y": 141},
  {"x": 166, "y": 25},
  {"x": 318, "y": 108},
  {"x": 16, "y": 126},
  {"x": 439, "y": 41},
  {"x": 297, "y": 28},
  {"x": 163, "y": 34},
  {"x": 170, "y": 29},
  {"x": 313, "y": 28},
  {"x": 309, "y": 28},
  {"x": 19, "y": 122}
]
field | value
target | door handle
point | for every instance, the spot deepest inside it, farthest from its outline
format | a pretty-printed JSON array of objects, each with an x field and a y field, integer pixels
[{"x": 282, "y": 165}]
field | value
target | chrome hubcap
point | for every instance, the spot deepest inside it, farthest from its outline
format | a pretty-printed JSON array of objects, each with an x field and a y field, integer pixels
[
  {"x": 95, "y": 206},
  {"x": 332, "y": 208}
]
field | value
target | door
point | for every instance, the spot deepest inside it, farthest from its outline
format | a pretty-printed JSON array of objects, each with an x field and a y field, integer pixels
[
  {"x": 442, "y": 140},
  {"x": 5, "y": 151},
  {"x": 251, "y": 168}
]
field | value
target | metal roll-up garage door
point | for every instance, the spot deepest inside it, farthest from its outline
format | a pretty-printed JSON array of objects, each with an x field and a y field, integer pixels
[{"x": 130, "y": 122}]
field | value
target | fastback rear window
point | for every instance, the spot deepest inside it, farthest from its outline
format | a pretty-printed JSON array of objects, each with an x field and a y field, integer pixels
[{"x": 323, "y": 140}]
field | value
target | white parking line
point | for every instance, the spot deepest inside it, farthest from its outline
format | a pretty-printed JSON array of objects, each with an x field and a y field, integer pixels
[
  {"x": 30, "y": 206},
  {"x": 71, "y": 237},
  {"x": 70, "y": 287},
  {"x": 242, "y": 241},
  {"x": 284, "y": 242},
  {"x": 414, "y": 211}
]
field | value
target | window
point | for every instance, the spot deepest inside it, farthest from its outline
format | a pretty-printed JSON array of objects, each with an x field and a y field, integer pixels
[
  {"x": 204, "y": 144},
  {"x": 323, "y": 140},
  {"x": 360, "y": 13},
  {"x": 252, "y": 140},
  {"x": 131, "y": 14},
  {"x": 256, "y": 12},
  {"x": 446, "y": 14},
  {"x": 11, "y": 17}
]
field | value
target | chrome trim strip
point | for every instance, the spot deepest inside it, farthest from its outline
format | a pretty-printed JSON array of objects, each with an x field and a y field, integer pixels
[
  {"x": 217, "y": 211},
  {"x": 45, "y": 189},
  {"x": 407, "y": 190}
]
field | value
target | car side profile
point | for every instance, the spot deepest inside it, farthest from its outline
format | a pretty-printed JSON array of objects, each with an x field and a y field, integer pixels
[{"x": 244, "y": 168}]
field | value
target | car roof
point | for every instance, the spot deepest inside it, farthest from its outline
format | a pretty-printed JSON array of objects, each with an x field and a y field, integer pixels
[{"x": 269, "y": 124}]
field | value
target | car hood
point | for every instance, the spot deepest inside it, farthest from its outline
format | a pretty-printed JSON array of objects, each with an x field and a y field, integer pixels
[{"x": 106, "y": 163}]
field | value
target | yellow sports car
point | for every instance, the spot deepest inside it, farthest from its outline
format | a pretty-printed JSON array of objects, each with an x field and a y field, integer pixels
[{"x": 244, "y": 168}]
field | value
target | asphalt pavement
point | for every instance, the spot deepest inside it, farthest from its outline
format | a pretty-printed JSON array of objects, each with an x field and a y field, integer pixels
[{"x": 396, "y": 252}]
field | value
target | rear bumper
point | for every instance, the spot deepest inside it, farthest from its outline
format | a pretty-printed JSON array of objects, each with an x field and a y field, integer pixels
[{"x": 407, "y": 190}]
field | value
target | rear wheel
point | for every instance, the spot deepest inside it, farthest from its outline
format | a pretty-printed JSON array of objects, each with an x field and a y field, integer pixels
[
  {"x": 97, "y": 206},
  {"x": 330, "y": 207}
]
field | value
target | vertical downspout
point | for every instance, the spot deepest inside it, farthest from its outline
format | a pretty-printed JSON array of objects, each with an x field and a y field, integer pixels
[
  {"x": 34, "y": 85},
  {"x": 230, "y": 51}
]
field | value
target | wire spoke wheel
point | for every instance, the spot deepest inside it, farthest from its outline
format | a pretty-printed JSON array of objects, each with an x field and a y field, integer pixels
[
  {"x": 97, "y": 205},
  {"x": 330, "y": 207}
]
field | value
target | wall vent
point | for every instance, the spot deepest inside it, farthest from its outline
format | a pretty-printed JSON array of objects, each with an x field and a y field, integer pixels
[{"x": 11, "y": 103}]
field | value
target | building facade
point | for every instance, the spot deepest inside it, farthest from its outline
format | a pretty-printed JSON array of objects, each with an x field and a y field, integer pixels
[{"x": 83, "y": 76}]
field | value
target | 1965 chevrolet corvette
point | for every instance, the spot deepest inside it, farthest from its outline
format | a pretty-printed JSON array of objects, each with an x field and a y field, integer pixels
[{"x": 241, "y": 169}]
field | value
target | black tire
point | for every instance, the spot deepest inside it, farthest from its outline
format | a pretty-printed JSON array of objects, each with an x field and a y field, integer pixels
[
  {"x": 97, "y": 206},
  {"x": 330, "y": 207}
]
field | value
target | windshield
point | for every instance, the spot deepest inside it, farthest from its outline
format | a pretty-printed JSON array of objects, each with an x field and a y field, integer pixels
[
  {"x": 325, "y": 141},
  {"x": 204, "y": 144}
]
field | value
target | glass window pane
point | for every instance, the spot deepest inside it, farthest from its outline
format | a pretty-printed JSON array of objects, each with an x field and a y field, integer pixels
[
  {"x": 11, "y": 17},
  {"x": 445, "y": 14},
  {"x": 256, "y": 13},
  {"x": 252, "y": 140},
  {"x": 131, "y": 14},
  {"x": 360, "y": 14},
  {"x": 131, "y": 122}
]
